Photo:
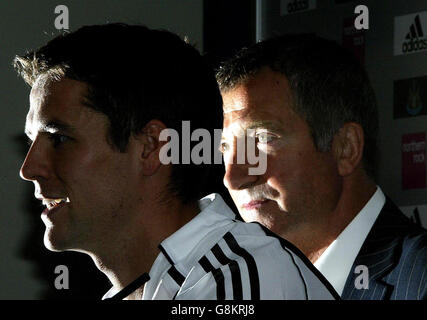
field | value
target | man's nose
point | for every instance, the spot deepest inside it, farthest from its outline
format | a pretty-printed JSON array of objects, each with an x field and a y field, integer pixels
[
  {"x": 237, "y": 175},
  {"x": 35, "y": 165}
]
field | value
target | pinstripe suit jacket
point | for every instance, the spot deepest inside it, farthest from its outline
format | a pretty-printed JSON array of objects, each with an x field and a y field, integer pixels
[{"x": 395, "y": 252}]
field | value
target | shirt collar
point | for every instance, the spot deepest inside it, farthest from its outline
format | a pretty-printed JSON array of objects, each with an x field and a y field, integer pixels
[
  {"x": 110, "y": 293},
  {"x": 336, "y": 262},
  {"x": 214, "y": 213}
]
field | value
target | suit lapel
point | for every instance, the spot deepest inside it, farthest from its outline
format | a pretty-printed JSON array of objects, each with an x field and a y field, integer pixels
[{"x": 380, "y": 254}]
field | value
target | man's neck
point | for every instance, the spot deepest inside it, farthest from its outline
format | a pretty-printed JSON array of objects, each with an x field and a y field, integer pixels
[
  {"x": 134, "y": 253},
  {"x": 314, "y": 240}
]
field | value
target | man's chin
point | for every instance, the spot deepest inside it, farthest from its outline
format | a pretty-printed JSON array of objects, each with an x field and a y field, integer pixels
[
  {"x": 256, "y": 216},
  {"x": 272, "y": 218},
  {"x": 54, "y": 243}
]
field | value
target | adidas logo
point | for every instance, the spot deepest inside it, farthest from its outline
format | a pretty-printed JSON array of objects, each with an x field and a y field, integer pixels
[
  {"x": 415, "y": 40},
  {"x": 415, "y": 30}
]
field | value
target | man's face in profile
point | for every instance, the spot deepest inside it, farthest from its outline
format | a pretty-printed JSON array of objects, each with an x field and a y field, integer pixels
[
  {"x": 83, "y": 182},
  {"x": 300, "y": 184}
]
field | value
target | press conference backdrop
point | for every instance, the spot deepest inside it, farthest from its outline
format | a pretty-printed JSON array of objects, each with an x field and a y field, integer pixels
[{"x": 394, "y": 51}]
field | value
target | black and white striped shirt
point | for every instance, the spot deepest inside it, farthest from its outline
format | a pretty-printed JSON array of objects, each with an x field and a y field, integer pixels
[{"x": 216, "y": 257}]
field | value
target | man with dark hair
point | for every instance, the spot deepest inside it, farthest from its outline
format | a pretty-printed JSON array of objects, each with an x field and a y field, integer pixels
[
  {"x": 101, "y": 99},
  {"x": 313, "y": 113}
]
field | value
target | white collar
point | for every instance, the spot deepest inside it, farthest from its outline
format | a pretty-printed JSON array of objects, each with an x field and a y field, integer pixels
[
  {"x": 336, "y": 261},
  {"x": 214, "y": 213}
]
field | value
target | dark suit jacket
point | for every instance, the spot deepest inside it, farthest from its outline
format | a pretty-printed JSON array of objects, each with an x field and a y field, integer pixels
[{"x": 395, "y": 252}]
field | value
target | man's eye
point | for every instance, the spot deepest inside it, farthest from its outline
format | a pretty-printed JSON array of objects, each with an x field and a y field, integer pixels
[
  {"x": 264, "y": 137},
  {"x": 223, "y": 147},
  {"x": 57, "y": 139}
]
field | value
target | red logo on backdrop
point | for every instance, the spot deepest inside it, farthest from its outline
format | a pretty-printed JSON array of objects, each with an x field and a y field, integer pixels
[
  {"x": 353, "y": 39},
  {"x": 414, "y": 161}
]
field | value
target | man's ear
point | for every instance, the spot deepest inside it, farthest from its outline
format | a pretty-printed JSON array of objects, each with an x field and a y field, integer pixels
[
  {"x": 347, "y": 147},
  {"x": 149, "y": 146}
]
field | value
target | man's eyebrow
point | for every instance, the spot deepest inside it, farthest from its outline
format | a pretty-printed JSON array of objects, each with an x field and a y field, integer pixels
[
  {"x": 267, "y": 124},
  {"x": 260, "y": 124},
  {"x": 54, "y": 126},
  {"x": 58, "y": 125}
]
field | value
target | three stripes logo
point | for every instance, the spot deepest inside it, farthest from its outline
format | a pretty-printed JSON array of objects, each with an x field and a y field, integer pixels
[
  {"x": 415, "y": 30},
  {"x": 415, "y": 39}
]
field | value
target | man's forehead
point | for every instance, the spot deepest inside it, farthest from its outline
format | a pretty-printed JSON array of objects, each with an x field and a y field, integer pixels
[
  {"x": 248, "y": 113},
  {"x": 41, "y": 87},
  {"x": 258, "y": 90},
  {"x": 35, "y": 117},
  {"x": 56, "y": 105},
  {"x": 261, "y": 101},
  {"x": 238, "y": 121},
  {"x": 235, "y": 99},
  {"x": 39, "y": 92}
]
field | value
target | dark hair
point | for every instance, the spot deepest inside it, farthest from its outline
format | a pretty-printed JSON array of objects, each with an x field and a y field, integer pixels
[
  {"x": 328, "y": 85},
  {"x": 135, "y": 74}
]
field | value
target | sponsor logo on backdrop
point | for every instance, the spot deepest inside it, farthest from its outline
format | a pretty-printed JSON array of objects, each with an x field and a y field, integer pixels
[
  {"x": 294, "y": 6},
  {"x": 414, "y": 161},
  {"x": 410, "y": 97},
  {"x": 353, "y": 39},
  {"x": 410, "y": 33}
]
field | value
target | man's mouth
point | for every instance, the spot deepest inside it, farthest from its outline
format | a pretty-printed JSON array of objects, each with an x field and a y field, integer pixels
[
  {"x": 53, "y": 203},
  {"x": 255, "y": 204}
]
